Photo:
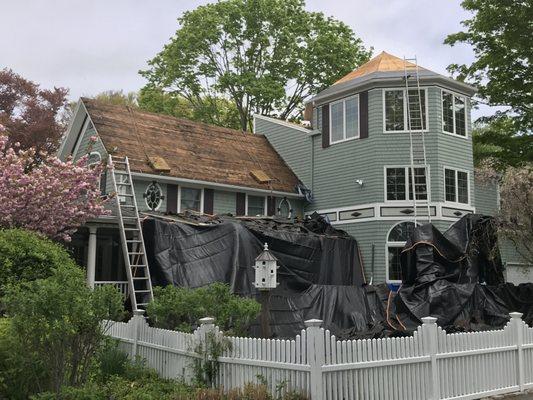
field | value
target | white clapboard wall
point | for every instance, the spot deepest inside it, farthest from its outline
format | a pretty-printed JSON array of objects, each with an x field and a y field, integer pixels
[{"x": 428, "y": 365}]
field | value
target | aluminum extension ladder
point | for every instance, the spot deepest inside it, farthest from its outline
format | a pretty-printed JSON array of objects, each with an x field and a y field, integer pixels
[
  {"x": 415, "y": 115},
  {"x": 135, "y": 260}
]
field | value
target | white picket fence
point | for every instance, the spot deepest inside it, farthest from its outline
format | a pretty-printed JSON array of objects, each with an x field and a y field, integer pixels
[{"x": 428, "y": 365}]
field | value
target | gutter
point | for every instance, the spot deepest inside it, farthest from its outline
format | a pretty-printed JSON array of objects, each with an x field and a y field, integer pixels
[{"x": 213, "y": 185}]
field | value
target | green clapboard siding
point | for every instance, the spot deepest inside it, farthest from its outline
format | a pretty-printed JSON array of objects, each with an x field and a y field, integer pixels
[
  {"x": 292, "y": 144},
  {"x": 486, "y": 197}
]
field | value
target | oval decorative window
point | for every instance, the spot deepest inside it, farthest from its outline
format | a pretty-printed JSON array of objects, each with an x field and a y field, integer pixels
[{"x": 153, "y": 196}]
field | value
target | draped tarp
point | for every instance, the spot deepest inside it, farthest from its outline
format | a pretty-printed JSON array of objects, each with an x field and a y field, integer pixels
[
  {"x": 320, "y": 272},
  {"x": 457, "y": 277}
]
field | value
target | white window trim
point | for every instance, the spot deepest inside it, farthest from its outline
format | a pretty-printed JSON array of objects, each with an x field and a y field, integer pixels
[
  {"x": 456, "y": 203},
  {"x": 442, "y": 91},
  {"x": 201, "y": 198},
  {"x": 343, "y": 100},
  {"x": 246, "y": 205},
  {"x": 407, "y": 183},
  {"x": 146, "y": 198},
  {"x": 426, "y": 103},
  {"x": 392, "y": 244}
]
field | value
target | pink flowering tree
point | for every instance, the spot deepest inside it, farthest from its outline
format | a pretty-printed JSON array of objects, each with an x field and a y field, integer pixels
[{"x": 52, "y": 197}]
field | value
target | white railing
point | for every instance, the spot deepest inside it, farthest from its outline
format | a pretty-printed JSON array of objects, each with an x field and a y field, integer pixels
[
  {"x": 122, "y": 286},
  {"x": 428, "y": 365}
]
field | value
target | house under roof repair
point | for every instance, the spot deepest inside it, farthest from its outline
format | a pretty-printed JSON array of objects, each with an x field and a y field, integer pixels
[{"x": 389, "y": 148}]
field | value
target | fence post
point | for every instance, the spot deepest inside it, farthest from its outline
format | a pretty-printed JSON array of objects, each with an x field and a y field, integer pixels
[
  {"x": 138, "y": 319},
  {"x": 516, "y": 320},
  {"x": 429, "y": 332},
  {"x": 315, "y": 348}
]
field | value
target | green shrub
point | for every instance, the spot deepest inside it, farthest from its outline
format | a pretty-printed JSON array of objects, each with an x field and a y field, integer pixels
[
  {"x": 181, "y": 308},
  {"x": 111, "y": 361},
  {"x": 26, "y": 256},
  {"x": 58, "y": 322}
]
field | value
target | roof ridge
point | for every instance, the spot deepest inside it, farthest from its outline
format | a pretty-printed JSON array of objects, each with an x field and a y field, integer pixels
[{"x": 137, "y": 109}]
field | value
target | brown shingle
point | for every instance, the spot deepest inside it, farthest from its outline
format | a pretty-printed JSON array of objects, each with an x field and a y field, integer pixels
[
  {"x": 192, "y": 150},
  {"x": 383, "y": 62}
]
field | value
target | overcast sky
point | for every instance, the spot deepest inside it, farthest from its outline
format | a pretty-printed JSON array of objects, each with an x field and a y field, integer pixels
[{"x": 91, "y": 46}]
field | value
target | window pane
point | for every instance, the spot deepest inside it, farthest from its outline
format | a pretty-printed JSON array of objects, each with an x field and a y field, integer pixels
[
  {"x": 418, "y": 121},
  {"x": 460, "y": 116},
  {"x": 420, "y": 184},
  {"x": 337, "y": 122},
  {"x": 395, "y": 269},
  {"x": 449, "y": 184},
  {"x": 352, "y": 117},
  {"x": 447, "y": 112},
  {"x": 256, "y": 205},
  {"x": 401, "y": 232},
  {"x": 395, "y": 183},
  {"x": 394, "y": 110},
  {"x": 190, "y": 199},
  {"x": 462, "y": 187}
]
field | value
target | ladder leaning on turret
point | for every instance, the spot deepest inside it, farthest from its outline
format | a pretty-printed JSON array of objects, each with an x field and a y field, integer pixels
[
  {"x": 135, "y": 260},
  {"x": 417, "y": 119}
]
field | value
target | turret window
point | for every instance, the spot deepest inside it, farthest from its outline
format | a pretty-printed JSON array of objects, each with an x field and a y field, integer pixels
[
  {"x": 453, "y": 113},
  {"x": 456, "y": 186},
  {"x": 396, "y": 110},
  {"x": 344, "y": 119},
  {"x": 399, "y": 183}
]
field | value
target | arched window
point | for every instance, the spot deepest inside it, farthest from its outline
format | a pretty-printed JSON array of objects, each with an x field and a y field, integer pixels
[
  {"x": 396, "y": 239},
  {"x": 284, "y": 208},
  {"x": 153, "y": 196}
]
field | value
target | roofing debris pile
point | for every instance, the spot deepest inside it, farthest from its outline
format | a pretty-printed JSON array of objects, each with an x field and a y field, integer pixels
[{"x": 321, "y": 273}]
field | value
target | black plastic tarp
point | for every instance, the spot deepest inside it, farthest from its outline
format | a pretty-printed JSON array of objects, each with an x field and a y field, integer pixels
[
  {"x": 320, "y": 272},
  {"x": 457, "y": 277}
]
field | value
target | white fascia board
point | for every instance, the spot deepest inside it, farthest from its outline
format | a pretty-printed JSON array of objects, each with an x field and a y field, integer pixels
[
  {"x": 213, "y": 185},
  {"x": 283, "y": 123}
]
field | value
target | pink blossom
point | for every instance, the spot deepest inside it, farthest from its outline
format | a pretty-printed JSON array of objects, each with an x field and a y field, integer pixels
[{"x": 52, "y": 197}]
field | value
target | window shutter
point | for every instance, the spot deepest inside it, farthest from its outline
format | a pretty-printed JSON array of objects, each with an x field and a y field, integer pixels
[
  {"x": 271, "y": 205},
  {"x": 363, "y": 115},
  {"x": 241, "y": 204},
  {"x": 172, "y": 199},
  {"x": 325, "y": 125},
  {"x": 209, "y": 199}
]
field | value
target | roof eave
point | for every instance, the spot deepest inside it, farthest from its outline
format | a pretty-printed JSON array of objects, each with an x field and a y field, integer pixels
[{"x": 384, "y": 79}]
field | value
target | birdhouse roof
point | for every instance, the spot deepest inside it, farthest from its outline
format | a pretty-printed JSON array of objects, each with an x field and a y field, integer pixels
[{"x": 266, "y": 255}]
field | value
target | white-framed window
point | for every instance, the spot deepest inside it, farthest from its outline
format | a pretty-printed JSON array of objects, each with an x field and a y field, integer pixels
[
  {"x": 396, "y": 239},
  {"x": 317, "y": 118},
  {"x": 344, "y": 119},
  {"x": 395, "y": 106},
  {"x": 453, "y": 113},
  {"x": 190, "y": 199},
  {"x": 456, "y": 186},
  {"x": 399, "y": 183},
  {"x": 256, "y": 206},
  {"x": 153, "y": 196}
]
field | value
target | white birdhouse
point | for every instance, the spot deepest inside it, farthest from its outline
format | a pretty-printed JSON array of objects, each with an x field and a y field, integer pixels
[{"x": 266, "y": 270}]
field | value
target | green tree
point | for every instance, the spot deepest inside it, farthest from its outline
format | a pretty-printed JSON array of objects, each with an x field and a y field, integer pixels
[
  {"x": 26, "y": 256},
  {"x": 500, "y": 33},
  {"x": 497, "y": 142},
  {"x": 265, "y": 56},
  {"x": 117, "y": 98},
  {"x": 58, "y": 323},
  {"x": 216, "y": 111}
]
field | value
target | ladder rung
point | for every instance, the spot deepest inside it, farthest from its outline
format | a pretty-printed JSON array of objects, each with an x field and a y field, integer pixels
[
  {"x": 128, "y": 205},
  {"x": 138, "y": 266},
  {"x": 135, "y": 252},
  {"x": 142, "y": 304},
  {"x": 133, "y": 241},
  {"x": 123, "y": 184},
  {"x": 140, "y": 278},
  {"x": 131, "y": 229},
  {"x": 142, "y": 291}
]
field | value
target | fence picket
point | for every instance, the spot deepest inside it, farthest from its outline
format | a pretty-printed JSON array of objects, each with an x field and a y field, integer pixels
[{"x": 429, "y": 364}]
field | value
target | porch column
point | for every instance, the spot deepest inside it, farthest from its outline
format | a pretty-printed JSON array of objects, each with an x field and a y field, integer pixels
[{"x": 91, "y": 256}]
